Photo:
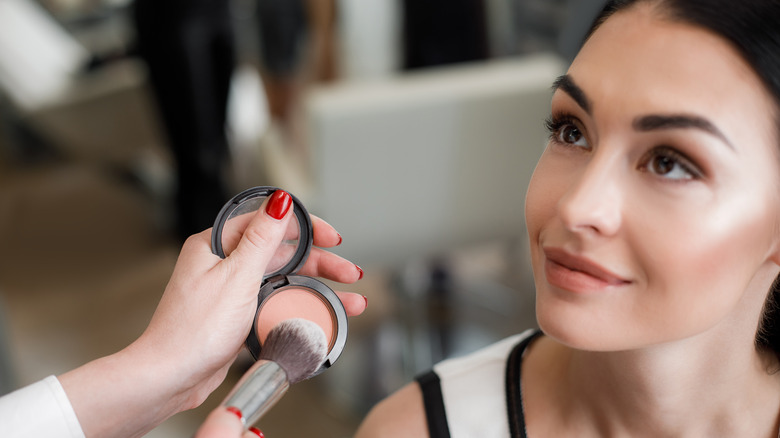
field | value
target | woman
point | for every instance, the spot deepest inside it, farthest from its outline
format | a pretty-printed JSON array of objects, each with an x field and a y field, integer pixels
[
  {"x": 184, "y": 354},
  {"x": 654, "y": 225}
]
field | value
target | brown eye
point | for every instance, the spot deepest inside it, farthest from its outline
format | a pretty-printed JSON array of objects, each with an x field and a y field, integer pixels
[
  {"x": 662, "y": 165},
  {"x": 669, "y": 164},
  {"x": 570, "y": 134}
]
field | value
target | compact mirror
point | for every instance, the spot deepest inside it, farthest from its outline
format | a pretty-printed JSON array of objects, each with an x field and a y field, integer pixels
[
  {"x": 282, "y": 294},
  {"x": 236, "y": 214}
]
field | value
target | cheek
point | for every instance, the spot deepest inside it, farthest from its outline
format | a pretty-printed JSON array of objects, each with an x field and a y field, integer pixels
[
  {"x": 700, "y": 266},
  {"x": 695, "y": 261}
]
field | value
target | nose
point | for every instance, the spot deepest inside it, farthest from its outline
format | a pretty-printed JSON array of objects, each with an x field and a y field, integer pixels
[{"x": 593, "y": 201}]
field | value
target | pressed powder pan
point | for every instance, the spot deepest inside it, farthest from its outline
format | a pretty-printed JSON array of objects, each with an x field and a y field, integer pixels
[{"x": 283, "y": 295}]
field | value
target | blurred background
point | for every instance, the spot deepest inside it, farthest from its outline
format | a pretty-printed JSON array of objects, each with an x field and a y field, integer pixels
[{"x": 412, "y": 126}]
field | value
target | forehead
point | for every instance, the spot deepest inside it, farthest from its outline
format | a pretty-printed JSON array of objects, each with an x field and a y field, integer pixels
[{"x": 641, "y": 61}]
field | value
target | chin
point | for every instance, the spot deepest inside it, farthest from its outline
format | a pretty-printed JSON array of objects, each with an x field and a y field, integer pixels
[{"x": 582, "y": 329}]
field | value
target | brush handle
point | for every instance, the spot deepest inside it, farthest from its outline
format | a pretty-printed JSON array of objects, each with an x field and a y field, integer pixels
[{"x": 258, "y": 390}]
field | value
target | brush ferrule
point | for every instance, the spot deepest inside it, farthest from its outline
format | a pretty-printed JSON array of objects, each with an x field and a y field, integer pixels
[{"x": 258, "y": 390}]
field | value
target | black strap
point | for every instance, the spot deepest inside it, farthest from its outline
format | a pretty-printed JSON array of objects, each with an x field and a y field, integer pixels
[
  {"x": 434, "y": 405},
  {"x": 514, "y": 395}
]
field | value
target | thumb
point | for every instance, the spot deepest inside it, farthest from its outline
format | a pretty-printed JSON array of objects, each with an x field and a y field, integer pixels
[{"x": 261, "y": 238}]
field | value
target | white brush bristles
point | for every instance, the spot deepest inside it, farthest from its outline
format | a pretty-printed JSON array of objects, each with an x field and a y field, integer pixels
[{"x": 298, "y": 345}]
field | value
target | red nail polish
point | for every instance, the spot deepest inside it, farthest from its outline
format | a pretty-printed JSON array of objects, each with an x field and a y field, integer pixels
[
  {"x": 257, "y": 432},
  {"x": 340, "y": 239},
  {"x": 279, "y": 204},
  {"x": 365, "y": 298},
  {"x": 236, "y": 411},
  {"x": 361, "y": 272}
]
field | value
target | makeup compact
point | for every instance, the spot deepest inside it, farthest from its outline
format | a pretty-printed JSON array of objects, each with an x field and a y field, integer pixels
[{"x": 283, "y": 294}]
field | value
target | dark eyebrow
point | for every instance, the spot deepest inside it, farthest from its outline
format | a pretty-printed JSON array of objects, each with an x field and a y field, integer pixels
[
  {"x": 566, "y": 83},
  {"x": 654, "y": 122}
]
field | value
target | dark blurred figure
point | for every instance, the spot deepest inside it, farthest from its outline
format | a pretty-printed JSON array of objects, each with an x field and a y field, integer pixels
[
  {"x": 283, "y": 27},
  {"x": 441, "y": 32},
  {"x": 297, "y": 49},
  {"x": 189, "y": 48}
]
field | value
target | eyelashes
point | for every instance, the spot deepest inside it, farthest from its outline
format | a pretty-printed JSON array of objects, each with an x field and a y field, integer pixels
[{"x": 554, "y": 122}]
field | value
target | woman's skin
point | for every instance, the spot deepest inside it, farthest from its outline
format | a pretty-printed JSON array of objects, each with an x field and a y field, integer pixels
[
  {"x": 654, "y": 224},
  {"x": 197, "y": 330}
]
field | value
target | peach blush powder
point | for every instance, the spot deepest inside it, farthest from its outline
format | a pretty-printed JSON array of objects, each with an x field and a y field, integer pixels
[{"x": 295, "y": 303}]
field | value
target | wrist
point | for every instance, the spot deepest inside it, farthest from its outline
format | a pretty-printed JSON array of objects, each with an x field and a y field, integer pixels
[
  {"x": 156, "y": 374},
  {"x": 123, "y": 394},
  {"x": 170, "y": 382}
]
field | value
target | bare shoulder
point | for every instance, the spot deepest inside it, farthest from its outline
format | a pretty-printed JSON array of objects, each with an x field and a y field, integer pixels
[{"x": 400, "y": 414}]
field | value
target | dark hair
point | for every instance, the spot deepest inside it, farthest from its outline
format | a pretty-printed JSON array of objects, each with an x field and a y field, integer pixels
[{"x": 753, "y": 28}]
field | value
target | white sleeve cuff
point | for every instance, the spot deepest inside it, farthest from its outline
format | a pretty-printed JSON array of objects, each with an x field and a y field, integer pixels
[{"x": 40, "y": 409}]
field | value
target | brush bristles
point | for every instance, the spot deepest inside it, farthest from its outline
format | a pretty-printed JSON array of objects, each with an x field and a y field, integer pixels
[{"x": 298, "y": 345}]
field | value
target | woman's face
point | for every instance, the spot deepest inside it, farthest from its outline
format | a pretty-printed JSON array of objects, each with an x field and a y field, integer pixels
[{"x": 655, "y": 203}]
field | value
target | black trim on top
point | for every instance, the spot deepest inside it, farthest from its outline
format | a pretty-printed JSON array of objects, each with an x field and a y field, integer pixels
[
  {"x": 430, "y": 384},
  {"x": 514, "y": 394}
]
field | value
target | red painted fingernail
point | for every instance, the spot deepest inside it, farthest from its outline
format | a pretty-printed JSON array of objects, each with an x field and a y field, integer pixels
[
  {"x": 257, "y": 432},
  {"x": 365, "y": 298},
  {"x": 361, "y": 272},
  {"x": 340, "y": 239},
  {"x": 279, "y": 204},
  {"x": 236, "y": 411}
]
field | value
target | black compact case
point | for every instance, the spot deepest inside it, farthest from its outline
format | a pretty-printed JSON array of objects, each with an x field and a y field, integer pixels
[{"x": 281, "y": 275}]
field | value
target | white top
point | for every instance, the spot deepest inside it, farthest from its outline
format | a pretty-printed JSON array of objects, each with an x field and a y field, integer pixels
[
  {"x": 473, "y": 388},
  {"x": 38, "y": 410}
]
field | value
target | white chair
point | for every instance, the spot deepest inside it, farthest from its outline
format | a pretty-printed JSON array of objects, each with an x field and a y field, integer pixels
[{"x": 418, "y": 164}]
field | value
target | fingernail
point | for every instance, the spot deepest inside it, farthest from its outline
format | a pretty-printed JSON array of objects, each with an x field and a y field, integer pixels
[
  {"x": 279, "y": 204},
  {"x": 365, "y": 298},
  {"x": 340, "y": 239},
  {"x": 257, "y": 432},
  {"x": 361, "y": 272},
  {"x": 236, "y": 411}
]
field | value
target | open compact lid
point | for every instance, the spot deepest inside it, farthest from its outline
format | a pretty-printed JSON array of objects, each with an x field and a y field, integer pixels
[
  {"x": 282, "y": 294},
  {"x": 236, "y": 214}
]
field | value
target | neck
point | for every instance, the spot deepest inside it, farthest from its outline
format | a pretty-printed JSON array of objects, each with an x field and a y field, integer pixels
[
  {"x": 692, "y": 387},
  {"x": 676, "y": 387}
]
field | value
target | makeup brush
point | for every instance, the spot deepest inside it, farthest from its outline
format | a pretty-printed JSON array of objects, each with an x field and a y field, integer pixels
[{"x": 293, "y": 351}]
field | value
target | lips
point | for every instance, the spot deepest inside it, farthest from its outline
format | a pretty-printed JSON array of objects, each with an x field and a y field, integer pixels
[{"x": 578, "y": 274}]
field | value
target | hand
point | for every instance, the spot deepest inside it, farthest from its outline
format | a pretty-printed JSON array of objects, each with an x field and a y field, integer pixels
[
  {"x": 198, "y": 328},
  {"x": 222, "y": 423},
  {"x": 209, "y": 305}
]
